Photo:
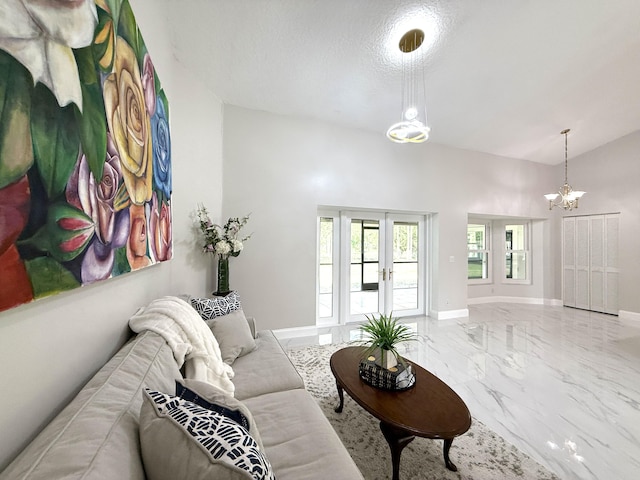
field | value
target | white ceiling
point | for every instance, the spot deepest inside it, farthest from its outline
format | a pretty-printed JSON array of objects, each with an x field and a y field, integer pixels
[{"x": 502, "y": 76}]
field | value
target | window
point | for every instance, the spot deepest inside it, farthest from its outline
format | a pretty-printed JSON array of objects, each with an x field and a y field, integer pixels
[
  {"x": 516, "y": 253},
  {"x": 478, "y": 247},
  {"x": 326, "y": 304}
]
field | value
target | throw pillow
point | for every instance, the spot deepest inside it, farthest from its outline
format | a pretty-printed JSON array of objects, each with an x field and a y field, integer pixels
[
  {"x": 209, "y": 308},
  {"x": 180, "y": 439},
  {"x": 212, "y": 398},
  {"x": 233, "y": 334}
]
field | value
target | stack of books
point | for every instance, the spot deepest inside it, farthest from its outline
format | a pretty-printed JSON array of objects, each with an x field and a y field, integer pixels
[{"x": 400, "y": 377}]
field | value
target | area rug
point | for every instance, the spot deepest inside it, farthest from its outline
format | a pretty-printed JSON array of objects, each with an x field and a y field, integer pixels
[{"x": 479, "y": 454}]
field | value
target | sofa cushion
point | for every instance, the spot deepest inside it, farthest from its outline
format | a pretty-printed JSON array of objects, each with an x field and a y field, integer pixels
[
  {"x": 96, "y": 435},
  {"x": 183, "y": 440},
  {"x": 211, "y": 394},
  {"x": 264, "y": 370},
  {"x": 233, "y": 334},
  {"x": 209, "y": 308},
  {"x": 298, "y": 439}
]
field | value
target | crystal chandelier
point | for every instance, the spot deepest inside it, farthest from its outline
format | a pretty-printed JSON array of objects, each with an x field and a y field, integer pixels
[
  {"x": 412, "y": 127},
  {"x": 568, "y": 196}
]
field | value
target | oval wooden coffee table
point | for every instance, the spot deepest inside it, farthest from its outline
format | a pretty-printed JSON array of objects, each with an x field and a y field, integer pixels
[{"x": 429, "y": 409}]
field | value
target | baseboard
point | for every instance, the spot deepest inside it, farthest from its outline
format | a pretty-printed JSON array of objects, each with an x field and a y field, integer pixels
[
  {"x": 626, "y": 315},
  {"x": 504, "y": 299},
  {"x": 295, "y": 332},
  {"x": 448, "y": 314}
]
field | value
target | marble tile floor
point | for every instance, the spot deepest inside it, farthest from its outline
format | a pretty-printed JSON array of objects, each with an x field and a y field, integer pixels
[{"x": 562, "y": 385}]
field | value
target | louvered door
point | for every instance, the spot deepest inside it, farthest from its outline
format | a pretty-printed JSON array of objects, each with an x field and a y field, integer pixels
[
  {"x": 582, "y": 262},
  {"x": 596, "y": 264},
  {"x": 590, "y": 262},
  {"x": 569, "y": 256},
  {"x": 611, "y": 266}
]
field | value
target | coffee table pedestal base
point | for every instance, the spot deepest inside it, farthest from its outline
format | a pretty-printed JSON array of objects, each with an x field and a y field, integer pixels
[
  {"x": 398, "y": 439},
  {"x": 339, "y": 408},
  {"x": 445, "y": 450}
]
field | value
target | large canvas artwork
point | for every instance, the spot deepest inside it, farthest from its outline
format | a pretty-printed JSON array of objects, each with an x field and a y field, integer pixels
[{"x": 85, "y": 150}]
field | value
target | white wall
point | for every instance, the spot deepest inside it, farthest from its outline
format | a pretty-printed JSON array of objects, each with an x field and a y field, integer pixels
[
  {"x": 282, "y": 168},
  {"x": 51, "y": 347}
]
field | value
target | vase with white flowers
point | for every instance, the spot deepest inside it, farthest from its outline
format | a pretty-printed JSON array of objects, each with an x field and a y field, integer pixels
[{"x": 223, "y": 241}]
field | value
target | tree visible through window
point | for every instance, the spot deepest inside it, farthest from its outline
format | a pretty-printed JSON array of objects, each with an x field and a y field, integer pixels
[
  {"x": 516, "y": 252},
  {"x": 325, "y": 268},
  {"x": 478, "y": 251}
]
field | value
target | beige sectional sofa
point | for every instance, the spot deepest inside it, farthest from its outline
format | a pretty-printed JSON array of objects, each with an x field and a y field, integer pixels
[{"x": 96, "y": 437}]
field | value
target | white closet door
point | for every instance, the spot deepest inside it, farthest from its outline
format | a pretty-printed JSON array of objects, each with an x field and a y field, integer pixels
[
  {"x": 590, "y": 262},
  {"x": 569, "y": 262},
  {"x": 611, "y": 267},
  {"x": 596, "y": 256},
  {"x": 582, "y": 263}
]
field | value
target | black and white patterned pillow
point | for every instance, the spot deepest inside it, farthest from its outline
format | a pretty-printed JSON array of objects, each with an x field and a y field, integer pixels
[
  {"x": 209, "y": 308},
  {"x": 191, "y": 396},
  {"x": 224, "y": 440}
]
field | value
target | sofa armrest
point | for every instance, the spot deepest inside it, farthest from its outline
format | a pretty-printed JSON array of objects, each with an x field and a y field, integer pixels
[{"x": 252, "y": 325}]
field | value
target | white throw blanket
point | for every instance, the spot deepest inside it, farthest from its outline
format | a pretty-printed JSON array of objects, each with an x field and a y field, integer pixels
[{"x": 189, "y": 337}]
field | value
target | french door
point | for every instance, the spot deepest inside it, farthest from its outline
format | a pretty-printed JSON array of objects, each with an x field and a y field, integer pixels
[{"x": 380, "y": 266}]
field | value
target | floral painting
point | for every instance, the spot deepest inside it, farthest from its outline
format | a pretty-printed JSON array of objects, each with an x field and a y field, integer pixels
[{"x": 85, "y": 148}]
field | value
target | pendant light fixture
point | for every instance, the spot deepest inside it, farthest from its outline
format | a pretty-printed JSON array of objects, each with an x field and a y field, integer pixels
[
  {"x": 412, "y": 127},
  {"x": 568, "y": 196}
]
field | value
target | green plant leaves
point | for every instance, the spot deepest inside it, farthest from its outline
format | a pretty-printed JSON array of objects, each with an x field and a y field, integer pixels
[
  {"x": 112, "y": 6},
  {"x": 127, "y": 27},
  {"x": 16, "y": 151},
  {"x": 66, "y": 233},
  {"x": 91, "y": 122},
  {"x": 56, "y": 142},
  {"x": 49, "y": 277},
  {"x": 86, "y": 65},
  {"x": 93, "y": 129},
  {"x": 385, "y": 332},
  {"x": 103, "y": 46},
  {"x": 121, "y": 264}
]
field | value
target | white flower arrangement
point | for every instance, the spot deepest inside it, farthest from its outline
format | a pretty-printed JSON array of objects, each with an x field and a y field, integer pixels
[{"x": 222, "y": 240}]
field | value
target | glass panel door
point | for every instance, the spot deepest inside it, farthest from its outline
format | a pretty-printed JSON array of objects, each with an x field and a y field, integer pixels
[
  {"x": 365, "y": 296},
  {"x": 404, "y": 273},
  {"x": 382, "y": 266}
]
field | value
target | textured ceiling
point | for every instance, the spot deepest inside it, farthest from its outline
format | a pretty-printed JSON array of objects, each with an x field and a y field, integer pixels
[{"x": 502, "y": 77}]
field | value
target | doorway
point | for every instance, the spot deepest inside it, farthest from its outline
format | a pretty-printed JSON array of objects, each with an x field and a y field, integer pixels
[{"x": 378, "y": 266}]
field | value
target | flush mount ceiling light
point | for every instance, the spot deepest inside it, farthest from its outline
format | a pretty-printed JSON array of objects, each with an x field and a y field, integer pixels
[
  {"x": 568, "y": 196},
  {"x": 412, "y": 127}
]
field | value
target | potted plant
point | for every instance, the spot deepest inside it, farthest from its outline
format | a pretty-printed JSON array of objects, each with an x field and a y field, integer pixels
[{"x": 382, "y": 335}]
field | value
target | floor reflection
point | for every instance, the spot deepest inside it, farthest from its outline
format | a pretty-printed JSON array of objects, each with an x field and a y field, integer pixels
[{"x": 561, "y": 384}]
